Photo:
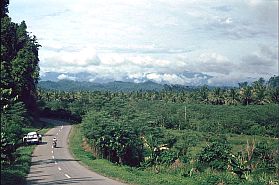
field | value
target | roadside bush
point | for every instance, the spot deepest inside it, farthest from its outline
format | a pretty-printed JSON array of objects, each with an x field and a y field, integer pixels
[
  {"x": 215, "y": 156},
  {"x": 13, "y": 118},
  {"x": 10, "y": 177},
  {"x": 113, "y": 140},
  {"x": 167, "y": 157}
]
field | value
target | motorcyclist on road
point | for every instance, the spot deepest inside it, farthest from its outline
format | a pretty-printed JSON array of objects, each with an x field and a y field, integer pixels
[{"x": 54, "y": 141}]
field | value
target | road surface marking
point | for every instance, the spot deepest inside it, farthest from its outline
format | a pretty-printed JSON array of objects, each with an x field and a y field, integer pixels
[
  {"x": 61, "y": 126},
  {"x": 67, "y": 176},
  {"x": 52, "y": 151},
  {"x": 59, "y": 130},
  {"x": 53, "y": 157},
  {"x": 51, "y": 146},
  {"x": 59, "y": 169},
  {"x": 55, "y": 162},
  {"x": 57, "y": 133}
]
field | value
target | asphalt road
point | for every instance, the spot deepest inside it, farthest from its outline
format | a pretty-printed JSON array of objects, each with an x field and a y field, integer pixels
[{"x": 57, "y": 166}]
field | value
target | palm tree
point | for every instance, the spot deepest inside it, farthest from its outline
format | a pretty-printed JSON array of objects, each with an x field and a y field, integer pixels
[
  {"x": 246, "y": 95},
  {"x": 259, "y": 91},
  {"x": 274, "y": 94},
  {"x": 216, "y": 96},
  {"x": 231, "y": 97},
  {"x": 203, "y": 94}
]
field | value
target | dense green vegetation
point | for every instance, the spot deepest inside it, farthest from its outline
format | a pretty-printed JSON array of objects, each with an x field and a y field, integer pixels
[
  {"x": 167, "y": 175},
  {"x": 123, "y": 173},
  {"x": 117, "y": 86},
  {"x": 19, "y": 76},
  {"x": 263, "y": 89},
  {"x": 204, "y": 134}
]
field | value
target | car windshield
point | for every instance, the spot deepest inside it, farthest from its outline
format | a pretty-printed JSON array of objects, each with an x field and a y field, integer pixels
[{"x": 32, "y": 136}]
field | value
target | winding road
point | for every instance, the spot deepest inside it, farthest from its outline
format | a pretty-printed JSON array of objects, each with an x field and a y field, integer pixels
[{"x": 57, "y": 166}]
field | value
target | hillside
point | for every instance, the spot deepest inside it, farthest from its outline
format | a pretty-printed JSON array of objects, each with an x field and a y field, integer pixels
[{"x": 116, "y": 86}]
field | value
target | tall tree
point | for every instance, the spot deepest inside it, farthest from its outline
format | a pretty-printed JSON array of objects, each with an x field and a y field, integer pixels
[
  {"x": 259, "y": 91},
  {"x": 273, "y": 88},
  {"x": 4, "y": 8},
  {"x": 19, "y": 76},
  {"x": 19, "y": 62}
]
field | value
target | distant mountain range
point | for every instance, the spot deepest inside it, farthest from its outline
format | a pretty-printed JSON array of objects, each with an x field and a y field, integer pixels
[
  {"x": 92, "y": 82},
  {"x": 69, "y": 85},
  {"x": 116, "y": 86},
  {"x": 192, "y": 78}
]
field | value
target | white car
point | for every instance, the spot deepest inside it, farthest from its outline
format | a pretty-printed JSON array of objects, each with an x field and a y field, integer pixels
[{"x": 32, "y": 137}]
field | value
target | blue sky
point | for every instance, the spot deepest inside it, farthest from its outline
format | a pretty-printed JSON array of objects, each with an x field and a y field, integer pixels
[{"x": 164, "y": 40}]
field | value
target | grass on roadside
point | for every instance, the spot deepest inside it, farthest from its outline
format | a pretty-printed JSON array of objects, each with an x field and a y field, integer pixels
[{"x": 16, "y": 173}]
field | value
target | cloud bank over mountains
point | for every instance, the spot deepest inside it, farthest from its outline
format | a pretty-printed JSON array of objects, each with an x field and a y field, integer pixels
[
  {"x": 177, "y": 42},
  {"x": 185, "y": 78}
]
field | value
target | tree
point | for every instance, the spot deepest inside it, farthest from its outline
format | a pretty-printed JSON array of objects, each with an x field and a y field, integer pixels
[
  {"x": 113, "y": 140},
  {"x": 246, "y": 94},
  {"x": 19, "y": 62},
  {"x": 273, "y": 82},
  {"x": 19, "y": 76},
  {"x": 274, "y": 94},
  {"x": 232, "y": 96},
  {"x": 259, "y": 91},
  {"x": 4, "y": 8},
  {"x": 273, "y": 88},
  {"x": 203, "y": 94},
  {"x": 216, "y": 96},
  {"x": 13, "y": 118}
]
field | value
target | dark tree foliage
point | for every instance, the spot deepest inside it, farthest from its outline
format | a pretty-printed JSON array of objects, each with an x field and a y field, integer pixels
[
  {"x": 19, "y": 77},
  {"x": 259, "y": 92},
  {"x": 4, "y": 8},
  {"x": 19, "y": 62},
  {"x": 113, "y": 140},
  {"x": 274, "y": 82}
]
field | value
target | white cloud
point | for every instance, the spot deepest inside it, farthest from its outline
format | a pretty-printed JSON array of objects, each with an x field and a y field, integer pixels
[
  {"x": 263, "y": 62},
  {"x": 131, "y": 39},
  {"x": 254, "y": 3},
  {"x": 231, "y": 79},
  {"x": 213, "y": 63},
  {"x": 225, "y": 20},
  {"x": 180, "y": 78},
  {"x": 85, "y": 57},
  {"x": 66, "y": 77}
]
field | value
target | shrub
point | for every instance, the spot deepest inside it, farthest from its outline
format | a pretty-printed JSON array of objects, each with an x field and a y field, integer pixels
[
  {"x": 265, "y": 156},
  {"x": 113, "y": 140},
  {"x": 215, "y": 156},
  {"x": 167, "y": 157}
]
